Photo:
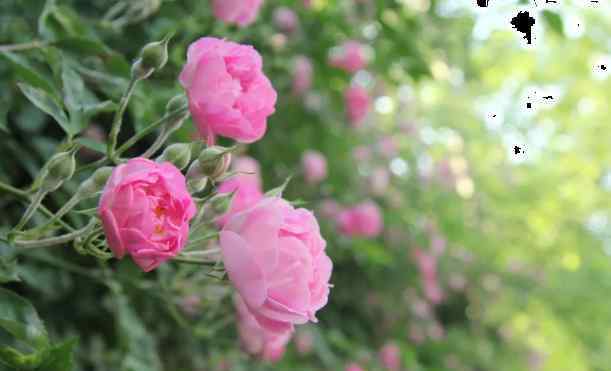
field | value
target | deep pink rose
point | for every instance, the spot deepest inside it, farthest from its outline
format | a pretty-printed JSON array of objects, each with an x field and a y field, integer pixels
[
  {"x": 275, "y": 257},
  {"x": 302, "y": 75},
  {"x": 285, "y": 19},
  {"x": 257, "y": 340},
  {"x": 241, "y": 12},
  {"x": 363, "y": 220},
  {"x": 390, "y": 356},
  {"x": 228, "y": 93},
  {"x": 354, "y": 367},
  {"x": 145, "y": 210},
  {"x": 350, "y": 56},
  {"x": 246, "y": 185},
  {"x": 357, "y": 104},
  {"x": 314, "y": 166}
]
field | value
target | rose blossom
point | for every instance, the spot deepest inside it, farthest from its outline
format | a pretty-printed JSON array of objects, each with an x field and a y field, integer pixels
[
  {"x": 228, "y": 93},
  {"x": 257, "y": 340},
  {"x": 275, "y": 257},
  {"x": 314, "y": 166},
  {"x": 302, "y": 75},
  {"x": 285, "y": 19},
  {"x": 350, "y": 56},
  {"x": 329, "y": 208},
  {"x": 362, "y": 220},
  {"x": 357, "y": 104},
  {"x": 242, "y": 12},
  {"x": 246, "y": 185},
  {"x": 354, "y": 367},
  {"x": 145, "y": 210},
  {"x": 390, "y": 356}
]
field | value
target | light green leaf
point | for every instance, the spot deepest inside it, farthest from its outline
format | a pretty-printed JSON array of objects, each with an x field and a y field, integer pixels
[
  {"x": 554, "y": 21},
  {"x": 19, "y": 318},
  {"x": 277, "y": 192},
  {"x": 47, "y": 104},
  {"x": 60, "y": 357}
]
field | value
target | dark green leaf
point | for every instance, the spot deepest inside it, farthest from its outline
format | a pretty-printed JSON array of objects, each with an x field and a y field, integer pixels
[
  {"x": 28, "y": 73},
  {"x": 60, "y": 357},
  {"x": 8, "y": 263},
  {"x": 19, "y": 318},
  {"x": 92, "y": 144},
  {"x": 47, "y": 104}
]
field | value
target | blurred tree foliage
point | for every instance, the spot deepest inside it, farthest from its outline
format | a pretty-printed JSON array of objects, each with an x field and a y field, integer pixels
[{"x": 529, "y": 233}]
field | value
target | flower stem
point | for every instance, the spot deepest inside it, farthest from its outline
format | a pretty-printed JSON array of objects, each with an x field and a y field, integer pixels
[
  {"x": 24, "y": 46},
  {"x": 35, "y": 202},
  {"x": 118, "y": 119},
  {"x": 46, "y": 242}
]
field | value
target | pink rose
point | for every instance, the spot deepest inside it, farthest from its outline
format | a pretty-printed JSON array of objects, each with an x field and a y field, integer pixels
[
  {"x": 357, "y": 104},
  {"x": 257, "y": 340},
  {"x": 246, "y": 185},
  {"x": 145, "y": 210},
  {"x": 314, "y": 166},
  {"x": 390, "y": 356},
  {"x": 228, "y": 93},
  {"x": 242, "y": 12},
  {"x": 354, "y": 367},
  {"x": 285, "y": 19},
  {"x": 351, "y": 56},
  {"x": 329, "y": 208},
  {"x": 438, "y": 244},
  {"x": 275, "y": 257},
  {"x": 302, "y": 75},
  {"x": 363, "y": 220}
]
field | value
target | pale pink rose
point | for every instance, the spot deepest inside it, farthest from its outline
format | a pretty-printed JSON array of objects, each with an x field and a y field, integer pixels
[
  {"x": 357, "y": 104},
  {"x": 285, "y": 19},
  {"x": 302, "y": 75},
  {"x": 329, "y": 208},
  {"x": 421, "y": 308},
  {"x": 304, "y": 342},
  {"x": 361, "y": 153},
  {"x": 145, "y": 210},
  {"x": 228, "y": 93},
  {"x": 438, "y": 244},
  {"x": 351, "y": 56},
  {"x": 388, "y": 146},
  {"x": 354, "y": 367},
  {"x": 390, "y": 356},
  {"x": 314, "y": 166},
  {"x": 275, "y": 257},
  {"x": 379, "y": 180},
  {"x": 307, "y": 4},
  {"x": 433, "y": 291},
  {"x": 246, "y": 185},
  {"x": 241, "y": 12},
  {"x": 362, "y": 220},
  {"x": 427, "y": 264},
  {"x": 256, "y": 340}
]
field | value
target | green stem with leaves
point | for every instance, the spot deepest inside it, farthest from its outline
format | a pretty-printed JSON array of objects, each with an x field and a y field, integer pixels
[{"x": 118, "y": 119}]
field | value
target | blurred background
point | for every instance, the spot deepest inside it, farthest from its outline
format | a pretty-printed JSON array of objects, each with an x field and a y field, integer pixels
[{"x": 494, "y": 253}]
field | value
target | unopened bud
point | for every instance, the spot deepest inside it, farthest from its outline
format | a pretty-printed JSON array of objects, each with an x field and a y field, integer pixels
[
  {"x": 214, "y": 161},
  {"x": 139, "y": 71},
  {"x": 60, "y": 168},
  {"x": 96, "y": 182},
  {"x": 178, "y": 153},
  {"x": 177, "y": 102},
  {"x": 221, "y": 202},
  {"x": 196, "y": 181},
  {"x": 155, "y": 55}
]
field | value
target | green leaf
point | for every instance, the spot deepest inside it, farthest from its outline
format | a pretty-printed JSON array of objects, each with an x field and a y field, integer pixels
[
  {"x": 554, "y": 21},
  {"x": 92, "y": 144},
  {"x": 28, "y": 73},
  {"x": 19, "y": 318},
  {"x": 19, "y": 361},
  {"x": 277, "y": 192},
  {"x": 60, "y": 357},
  {"x": 47, "y": 104}
]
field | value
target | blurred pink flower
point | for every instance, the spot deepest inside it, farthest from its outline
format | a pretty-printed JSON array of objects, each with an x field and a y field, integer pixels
[
  {"x": 257, "y": 340},
  {"x": 285, "y": 19},
  {"x": 302, "y": 75},
  {"x": 388, "y": 147},
  {"x": 275, "y": 257},
  {"x": 362, "y": 220},
  {"x": 379, "y": 180},
  {"x": 357, "y": 104},
  {"x": 246, "y": 185},
  {"x": 438, "y": 244},
  {"x": 241, "y": 12},
  {"x": 354, "y": 367},
  {"x": 350, "y": 56},
  {"x": 314, "y": 166},
  {"x": 435, "y": 331},
  {"x": 145, "y": 210},
  {"x": 390, "y": 356},
  {"x": 433, "y": 291},
  {"x": 228, "y": 93},
  {"x": 416, "y": 334},
  {"x": 361, "y": 153},
  {"x": 427, "y": 264},
  {"x": 329, "y": 208}
]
